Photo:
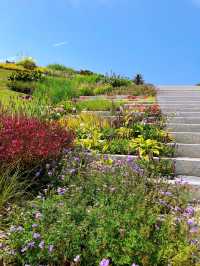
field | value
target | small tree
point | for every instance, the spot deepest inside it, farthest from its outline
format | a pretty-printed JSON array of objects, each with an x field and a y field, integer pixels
[
  {"x": 138, "y": 80},
  {"x": 27, "y": 62}
]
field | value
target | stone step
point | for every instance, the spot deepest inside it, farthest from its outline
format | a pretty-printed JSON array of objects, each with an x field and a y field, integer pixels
[
  {"x": 187, "y": 166},
  {"x": 169, "y": 88},
  {"x": 180, "y": 109},
  {"x": 174, "y": 127},
  {"x": 181, "y": 103},
  {"x": 182, "y": 114},
  {"x": 179, "y": 98},
  {"x": 184, "y": 120},
  {"x": 189, "y": 150},
  {"x": 186, "y": 137}
]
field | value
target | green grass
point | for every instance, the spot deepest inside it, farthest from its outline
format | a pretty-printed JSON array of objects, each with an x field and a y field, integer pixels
[
  {"x": 98, "y": 105},
  {"x": 5, "y": 92}
]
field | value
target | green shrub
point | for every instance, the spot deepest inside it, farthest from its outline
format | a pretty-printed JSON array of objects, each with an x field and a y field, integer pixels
[
  {"x": 25, "y": 76},
  {"x": 27, "y": 62},
  {"x": 86, "y": 90},
  {"x": 103, "y": 89},
  {"x": 60, "y": 67},
  {"x": 116, "y": 80},
  {"x": 22, "y": 87},
  {"x": 122, "y": 217},
  {"x": 97, "y": 105},
  {"x": 56, "y": 90}
]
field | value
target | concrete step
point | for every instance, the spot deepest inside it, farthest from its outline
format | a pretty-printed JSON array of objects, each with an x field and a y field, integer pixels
[
  {"x": 186, "y": 137},
  {"x": 189, "y": 150},
  {"x": 187, "y": 166},
  {"x": 177, "y": 88},
  {"x": 175, "y": 98},
  {"x": 175, "y": 127},
  {"x": 182, "y": 114},
  {"x": 184, "y": 120},
  {"x": 180, "y": 109}
]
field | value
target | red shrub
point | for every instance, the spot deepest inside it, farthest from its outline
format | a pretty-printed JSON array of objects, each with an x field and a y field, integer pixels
[{"x": 30, "y": 140}]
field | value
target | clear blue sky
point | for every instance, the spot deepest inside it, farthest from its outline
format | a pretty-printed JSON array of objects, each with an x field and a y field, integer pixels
[{"x": 159, "y": 38}]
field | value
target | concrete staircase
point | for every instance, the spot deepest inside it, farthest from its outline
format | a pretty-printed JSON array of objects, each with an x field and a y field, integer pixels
[{"x": 182, "y": 106}]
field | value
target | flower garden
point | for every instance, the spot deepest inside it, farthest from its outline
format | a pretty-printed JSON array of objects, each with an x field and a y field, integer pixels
[{"x": 85, "y": 174}]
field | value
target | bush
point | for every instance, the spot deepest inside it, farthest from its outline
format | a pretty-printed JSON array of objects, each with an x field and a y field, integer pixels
[
  {"x": 103, "y": 89},
  {"x": 62, "y": 68},
  {"x": 30, "y": 141},
  {"x": 97, "y": 105},
  {"x": 22, "y": 87},
  {"x": 25, "y": 76},
  {"x": 86, "y": 90},
  {"x": 27, "y": 62},
  {"x": 115, "y": 215},
  {"x": 116, "y": 80},
  {"x": 56, "y": 90}
]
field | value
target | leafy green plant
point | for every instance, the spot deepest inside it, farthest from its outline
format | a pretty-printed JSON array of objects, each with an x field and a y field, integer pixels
[
  {"x": 62, "y": 68},
  {"x": 118, "y": 216},
  {"x": 23, "y": 87},
  {"x": 27, "y": 62}
]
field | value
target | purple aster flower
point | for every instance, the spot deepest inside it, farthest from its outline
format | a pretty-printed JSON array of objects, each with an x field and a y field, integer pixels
[
  {"x": 194, "y": 229},
  {"x": 50, "y": 248},
  {"x": 34, "y": 225},
  {"x": 190, "y": 210},
  {"x": 36, "y": 235},
  {"x": 20, "y": 228},
  {"x": 13, "y": 229},
  {"x": 166, "y": 193},
  {"x": 61, "y": 191},
  {"x": 24, "y": 249},
  {"x": 104, "y": 262},
  {"x": 190, "y": 222},
  {"x": 31, "y": 244},
  {"x": 41, "y": 244}
]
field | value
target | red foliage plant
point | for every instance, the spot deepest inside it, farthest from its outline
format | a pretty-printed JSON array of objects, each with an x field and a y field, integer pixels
[{"x": 30, "y": 140}]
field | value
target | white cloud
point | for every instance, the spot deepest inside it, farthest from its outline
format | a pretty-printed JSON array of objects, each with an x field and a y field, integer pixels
[{"x": 60, "y": 44}]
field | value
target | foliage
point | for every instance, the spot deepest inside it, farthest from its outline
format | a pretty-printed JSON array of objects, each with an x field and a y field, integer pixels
[
  {"x": 113, "y": 214},
  {"x": 56, "y": 90},
  {"x": 30, "y": 141},
  {"x": 60, "y": 67},
  {"x": 86, "y": 90},
  {"x": 97, "y": 105},
  {"x": 25, "y": 76},
  {"x": 116, "y": 80},
  {"x": 103, "y": 89},
  {"x": 138, "y": 80},
  {"x": 26, "y": 87},
  {"x": 27, "y": 62},
  {"x": 11, "y": 189}
]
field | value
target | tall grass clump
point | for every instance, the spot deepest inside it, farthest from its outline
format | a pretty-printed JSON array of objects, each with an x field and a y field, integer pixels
[{"x": 56, "y": 90}]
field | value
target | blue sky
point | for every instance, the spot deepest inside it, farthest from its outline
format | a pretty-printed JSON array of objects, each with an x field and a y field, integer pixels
[{"x": 159, "y": 38}]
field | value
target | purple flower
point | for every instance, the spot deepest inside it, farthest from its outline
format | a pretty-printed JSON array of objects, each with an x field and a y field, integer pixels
[
  {"x": 24, "y": 249},
  {"x": 166, "y": 193},
  {"x": 20, "y": 228},
  {"x": 190, "y": 210},
  {"x": 31, "y": 244},
  {"x": 37, "y": 174},
  {"x": 13, "y": 228},
  {"x": 104, "y": 262},
  {"x": 194, "y": 229},
  {"x": 34, "y": 225},
  {"x": 190, "y": 221},
  {"x": 41, "y": 244},
  {"x": 50, "y": 248},
  {"x": 134, "y": 264},
  {"x": 61, "y": 191},
  {"x": 36, "y": 235}
]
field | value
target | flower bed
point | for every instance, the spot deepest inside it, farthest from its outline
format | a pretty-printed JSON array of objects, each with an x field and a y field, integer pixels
[{"x": 104, "y": 214}]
